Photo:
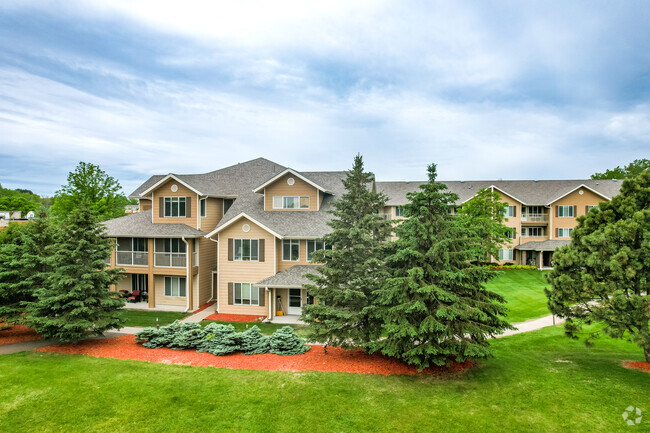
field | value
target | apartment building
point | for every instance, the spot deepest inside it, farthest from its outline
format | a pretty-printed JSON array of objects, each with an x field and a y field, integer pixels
[
  {"x": 243, "y": 235},
  {"x": 542, "y": 213}
]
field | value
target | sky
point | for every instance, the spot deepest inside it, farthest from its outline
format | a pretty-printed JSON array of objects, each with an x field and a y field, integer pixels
[{"x": 484, "y": 89}]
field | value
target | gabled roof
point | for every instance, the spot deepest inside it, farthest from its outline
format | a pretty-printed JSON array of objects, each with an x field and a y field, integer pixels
[
  {"x": 139, "y": 225},
  {"x": 165, "y": 179},
  {"x": 576, "y": 188},
  {"x": 294, "y": 277},
  {"x": 547, "y": 245},
  {"x": 295, "y": 173}
]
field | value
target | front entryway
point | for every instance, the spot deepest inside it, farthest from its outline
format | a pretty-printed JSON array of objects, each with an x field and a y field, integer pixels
[{"x": 295, "y": 302}]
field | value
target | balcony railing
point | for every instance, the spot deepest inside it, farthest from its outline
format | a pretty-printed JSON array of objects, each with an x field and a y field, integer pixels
[
  {"x": 170, "y": 260},
  {"x": 132, "y": 258},
  {"x": 535, "y": 218}
]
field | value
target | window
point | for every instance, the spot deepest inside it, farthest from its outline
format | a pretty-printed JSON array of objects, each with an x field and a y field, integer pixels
[
  {"x": 532, "y": 232},
  {"x": 174, "y": 207},
  {"x": 509, "y": 211},
  {"x": 175, "y": 286},
  {"x": 246, "y": 250},
  {"x": 283, "y": 202},
  {"x": 506, "y": 254},
  {"x": 132, "y": 252},
  {"x": 170, "y": 253},
  {"x": 245, "y": 294},
  {"x": 588, "y": 208},
  {"x": 564, "y": 232},
  {"x": 290, "y": 250},
  {"x": 139, "y": 282},
  {"x": 452, "y": 210},
  {"x": 202, "y": 207},
  {"x": 532, "y": 210},
  {"x": 316, "y": 245},
  {"x": 565, "y": 211},
  {"x": 511, "y": 233},
  {"x": 399, "y": 211}
]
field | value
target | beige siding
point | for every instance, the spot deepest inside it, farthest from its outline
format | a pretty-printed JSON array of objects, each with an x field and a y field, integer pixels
[
  {"x": 515, "y": 223},
  {"x": 124, "y": 283},
  {"x": 207, "y": 262},
  {"x": 145, "y": 204},
  {"x": 161, "y": 299},
  {"x": 300, "y": 188},
  {"x": 213, "y": 214},
  {"x": 284, "y": 265},
  {"x": 578, "y": 199},
  {"x": 164, "y": 190},
  {"x": 243, "y": 272}
]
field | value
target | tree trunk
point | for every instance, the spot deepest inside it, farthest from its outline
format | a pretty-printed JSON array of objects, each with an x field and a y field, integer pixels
[{"x": 646, "y": 352}]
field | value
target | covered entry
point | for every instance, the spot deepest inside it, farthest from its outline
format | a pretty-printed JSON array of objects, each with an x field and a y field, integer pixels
[
  {"x": 539, "y": 253},
  {"x": 286, "y": 294}
]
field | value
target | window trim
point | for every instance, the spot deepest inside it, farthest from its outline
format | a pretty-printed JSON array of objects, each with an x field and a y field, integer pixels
[
  {"x": 315, "y": 243},
  {"x": 511, "y": 254},
  {"x": 203, "y": 207},
  {"x": 506, "y": 211},
  {"x": 171, "y": 203},
  {"x": 399, "y": 211},
  {"x": 250, "y": 250},
  {"x": 562, "y": 229},
  {"x": 241, "y": 289},
  {"x": 284, "y": 201},
  {"x": 171, "y": 293},
  {"x": 291, "y": 242},
  {"x": 562, "y": 207},
  {"x": 132, "y": 250}
]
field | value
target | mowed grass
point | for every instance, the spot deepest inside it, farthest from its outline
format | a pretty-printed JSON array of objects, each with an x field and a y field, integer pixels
[
  {"x": 265, "y": 328},
  {"x": 540, "y": 381},
  {"x": 524, "y": 291},
  {"x": 142, "y": 318}
]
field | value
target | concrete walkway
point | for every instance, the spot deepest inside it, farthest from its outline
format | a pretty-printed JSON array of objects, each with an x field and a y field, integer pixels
[
  {"x": 201, "y": 314},
  {"x": 533, "y": 325}
]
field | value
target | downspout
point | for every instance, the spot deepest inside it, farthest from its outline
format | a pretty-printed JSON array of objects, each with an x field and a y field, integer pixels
[
  {"x": 188, "y": 268},
  {"x": 270, "y": 302}
]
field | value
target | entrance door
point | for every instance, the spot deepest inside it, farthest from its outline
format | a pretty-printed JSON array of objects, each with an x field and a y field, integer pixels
[{"x": 295, "y": 302}]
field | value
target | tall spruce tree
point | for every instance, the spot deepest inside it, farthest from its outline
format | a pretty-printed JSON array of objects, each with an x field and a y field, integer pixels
[
  {"x": 24, "y": 267},
  {"x": 434, "y": 303},
  {"x": 75, "y": 301},
  {"x": 353, "y": 269},
  {"x": 603, "y": 276}
]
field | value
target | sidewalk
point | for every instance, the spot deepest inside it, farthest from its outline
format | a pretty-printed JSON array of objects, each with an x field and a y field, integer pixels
[
  {"x": 198, "y": 317},
  {"x": 532, "y": 325}
]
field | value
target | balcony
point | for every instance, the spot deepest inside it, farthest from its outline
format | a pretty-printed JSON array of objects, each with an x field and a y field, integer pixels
[
  {"x": 170, "y": 260},
  {"x": 534, "y": 218},
  {"x": 132, "y": 258}
]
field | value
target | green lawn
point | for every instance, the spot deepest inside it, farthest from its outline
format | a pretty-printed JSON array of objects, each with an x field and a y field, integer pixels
[
  {"x": 524, "y": 291},
  {"x": 142, "y": 318},
  {"x": 266, "y": 328},
  {"x": 540, "y": 381}
]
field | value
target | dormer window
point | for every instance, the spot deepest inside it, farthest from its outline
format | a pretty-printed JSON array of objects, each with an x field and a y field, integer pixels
[
  {"x": 174, "y": 207},
  {"x": 288, "y": 202}
]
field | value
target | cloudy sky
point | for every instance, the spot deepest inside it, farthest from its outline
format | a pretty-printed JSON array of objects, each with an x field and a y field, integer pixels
[{"x": 485, "y": 89}]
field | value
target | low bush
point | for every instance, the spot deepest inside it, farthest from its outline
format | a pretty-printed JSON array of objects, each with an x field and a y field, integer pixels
[
  {"x": 285, "y": 341},
  {"x": 189, "y": 336},
  {"x": 253, "y": 342},
  {"x": 219, "y": 340}
]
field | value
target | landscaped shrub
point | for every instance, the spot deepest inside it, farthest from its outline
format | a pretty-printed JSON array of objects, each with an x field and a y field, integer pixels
[
  {"x": 190, "y": 336},
  {"x": 513, "y": 267},
  {"x": 164, "y": 336},
  {"x": 146, "y": 335},
  {"x": 253, "y": 342},
  {"x": 285, "y": 341},
  {"x": 219, "y": 340}
]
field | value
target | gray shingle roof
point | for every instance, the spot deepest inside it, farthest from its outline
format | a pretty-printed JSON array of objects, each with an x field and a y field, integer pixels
[
  {"x": 547, "y": 245},
  {"x": 292, "y": 277},
  {"x": 140, "y": 225},
  {"x": 529, "y": 192}
]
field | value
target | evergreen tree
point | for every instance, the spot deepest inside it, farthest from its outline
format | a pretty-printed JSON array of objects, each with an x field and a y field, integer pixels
[
  {"x": 23, "y": 267},
  {"x": 75, "y": 301},
  {"x": 633, "y": 169},
  {"x": 253, "y": 342},
  {"x": 483, "y": 217},
  {"x": 353, "y": 269},
  {"x": 285, "y": 341},
  {"x": 220, "y": 340},
  {"x": 189, "y": 336},
  {"x": 434, "y": 303},
  {"x": 603, "y": 276}
]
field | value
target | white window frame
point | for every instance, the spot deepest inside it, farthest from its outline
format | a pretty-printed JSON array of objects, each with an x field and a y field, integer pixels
[
  {"x": 509, "y": 211},
  {"x": 561, "y": 209},
  {"x": 203, "y": 207},
  {"x": 526, "y": 232},
  {"x": 564, "y": 232},
  {"x": 510, "y": 254},
  {"x": 312, "y": 245},
  {"x": 133, "y": 251},
  {"x": 180, "y": 255},
  {"x": 291, "y": 243},
  {"x": 178, "y": 201},
  {"x": 170, "y": 293},
  {"x": 282, "y": 201},
  {"x": 399, "y": 211},
  {"x": 251, "y": 290},
  {"x": 241, "y": 243}
]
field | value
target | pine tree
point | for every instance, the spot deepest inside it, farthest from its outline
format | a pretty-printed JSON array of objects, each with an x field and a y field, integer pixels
[
  {"x": 24, "y": 267},
  {"x": 75, "y": 301},
  {"x": 189, "y": 336},
  {"x": 603, "y": 276},
  {"x": 220, "y": 340},
  {"x": 285, "y": 341},
  {"x": 353, "y": 269},
  {"x": 253, "y": 342},
  {"x": 434, "y": 304}
]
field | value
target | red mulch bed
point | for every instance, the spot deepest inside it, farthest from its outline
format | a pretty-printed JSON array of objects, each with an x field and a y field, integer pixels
[
  {"x": 639, "y": 365},
  {"x": 18, "y": 334},
  {"x": 203, "y": 307},
  {"x": 235, "y": 317},
  {"x": 336, "y": 359}
]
